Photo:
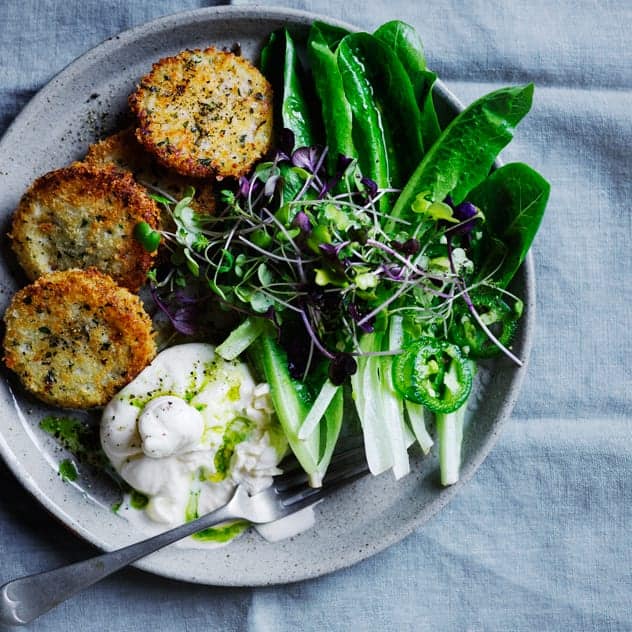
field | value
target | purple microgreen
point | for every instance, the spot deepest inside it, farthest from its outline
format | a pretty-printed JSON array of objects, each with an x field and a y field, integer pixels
[
  {"x": 183, "y": 319},
  {"x": 286, "y": 144},
  {"x": 320, "y": 163},
  {"x": 342, "y": 366},
  {"x": 409, "y": 247},
  {"x": 407, "y": 263},
  {"x": 342, "y": 165},
  {"x": 333, "y": 250},
  {"x": 244, "y": 186},
  {"x": 271, "y": 185},
  {"x": 313, "y": 336},
  {"x": 465, "y": 210},
  {"x": 301, "y": 220},
  {"x": 370, "y": 187},
  {"x": 393, "y": 272},
  {"x": 329, "y": 249},
  {"x": 186, "y": 298},
  {"x": 355, "y": 313},
  {"x": 306, "y": 158},
  {"x": 464, "y": 228},
  {"x": 310, "y": 155},
  {"x": 467, "y": 213}
]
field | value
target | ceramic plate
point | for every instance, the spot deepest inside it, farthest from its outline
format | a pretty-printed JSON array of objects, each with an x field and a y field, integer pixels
[{"x": 83, "y": 103}]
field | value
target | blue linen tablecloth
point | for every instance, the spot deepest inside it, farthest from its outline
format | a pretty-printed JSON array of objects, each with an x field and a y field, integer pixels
[{"x": 541, "y": 537}]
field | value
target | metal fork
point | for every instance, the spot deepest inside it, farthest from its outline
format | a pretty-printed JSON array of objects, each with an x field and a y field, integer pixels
[{"x": 23, "y": 600}]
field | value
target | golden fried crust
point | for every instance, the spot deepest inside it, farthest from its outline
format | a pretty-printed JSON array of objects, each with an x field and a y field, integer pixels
[
  {"x": 82, "y": 216},
  {"x": 124, "y": 152},
  {"x": 204, "y": 113},
  {"x": 74, "y": 338}
]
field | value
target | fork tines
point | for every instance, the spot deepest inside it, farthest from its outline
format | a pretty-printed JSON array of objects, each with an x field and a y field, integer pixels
[{"x": 346, "y": 465}]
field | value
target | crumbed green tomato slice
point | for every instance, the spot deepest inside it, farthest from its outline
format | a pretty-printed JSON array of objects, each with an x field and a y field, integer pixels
[
  {"x": 433, "y": 373},
  {"x": 499, "y": 317}
]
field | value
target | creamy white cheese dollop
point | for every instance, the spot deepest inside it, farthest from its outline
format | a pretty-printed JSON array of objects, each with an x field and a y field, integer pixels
[
  {"x": 190, "y": 428},
  {"x": 168, "y": 426}
]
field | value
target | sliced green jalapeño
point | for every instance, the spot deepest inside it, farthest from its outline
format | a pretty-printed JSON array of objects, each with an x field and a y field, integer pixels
[
  {"x": 433, "y": 373},
  {"x": 497, "y": 315}
]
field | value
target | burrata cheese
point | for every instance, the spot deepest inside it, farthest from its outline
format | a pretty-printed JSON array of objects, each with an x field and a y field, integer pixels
[{"x": 189, "y": 429}]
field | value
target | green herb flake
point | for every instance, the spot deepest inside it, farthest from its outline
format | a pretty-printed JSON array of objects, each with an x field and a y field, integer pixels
[
  {"x": 236, "y": 432},
  {"x": 222, "y": 533},
  {"x": 138, "y": 500},
  {"x": 191, "y": 510},
  {"x": 71, "y": 433},
  {"x": 68, "y": 471}
]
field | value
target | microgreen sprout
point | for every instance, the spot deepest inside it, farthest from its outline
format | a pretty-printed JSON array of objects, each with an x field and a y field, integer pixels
[
  {"x": 148, "y": 238},
  {"x": 295, "y": 244}
]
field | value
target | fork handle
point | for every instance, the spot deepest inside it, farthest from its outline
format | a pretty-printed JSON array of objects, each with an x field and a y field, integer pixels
[{"x": 26, "y": 598}]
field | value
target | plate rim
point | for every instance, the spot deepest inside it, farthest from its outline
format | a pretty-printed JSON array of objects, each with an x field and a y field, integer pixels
[{"x": 353, "y": 556}]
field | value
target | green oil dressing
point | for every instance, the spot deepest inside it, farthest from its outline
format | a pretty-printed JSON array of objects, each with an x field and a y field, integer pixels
[
  {"x": 68, "y": 471},
  {"x": 78, "y": 437},
  {"x": 222, "y": 533},
  {"x": 191, "y": 510},
  {"x": 236, "y": 432},
  {"x": 210, "y": 374},
  {"x": 73, "y": 434},
  {"x": 141, "y": 402},
  {"x": 138, "y": 500},
  {"x": 192, "y": 390},
  {"x": 218, "y": 370}
]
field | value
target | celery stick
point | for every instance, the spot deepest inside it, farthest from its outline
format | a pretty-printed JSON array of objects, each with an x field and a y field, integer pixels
[
  {"x": 366, "y": 393},
  {"x": 392, "y": 416},
  {"x": 380, "y": 410},
  {"x": 409, "y": 437},
  {"x": 392, "y": 403},
  {"x": 329, "y": 433},
  {"x": 450, "y": 435},
  {"x": 317, "y": 411},
  {"x": 291, "y": 402},
  {"x": 241, "y": 338},
  {"x": 416, "y": 417}
]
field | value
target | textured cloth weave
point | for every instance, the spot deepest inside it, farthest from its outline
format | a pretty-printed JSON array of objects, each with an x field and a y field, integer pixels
[{"x": 541, "y": 537}]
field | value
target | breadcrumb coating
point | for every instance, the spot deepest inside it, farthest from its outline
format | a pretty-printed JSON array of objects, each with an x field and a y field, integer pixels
[
  {"x": 204, "y": 113},
  {"x": 82, "y": 216},
  {"x": 74, "y": 338}
]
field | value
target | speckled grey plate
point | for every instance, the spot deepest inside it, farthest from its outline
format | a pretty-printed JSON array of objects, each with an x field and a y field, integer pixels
[{"x": 84, "y": 102}]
